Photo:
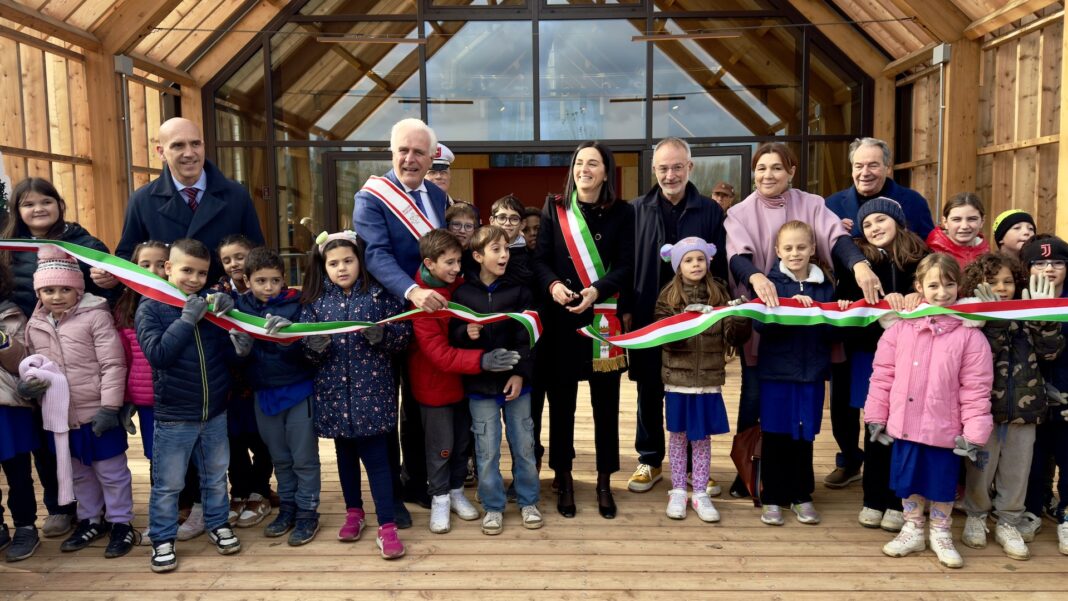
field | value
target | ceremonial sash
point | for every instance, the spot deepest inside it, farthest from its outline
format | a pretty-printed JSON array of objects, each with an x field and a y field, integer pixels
[{"x": 400, "y": 203}]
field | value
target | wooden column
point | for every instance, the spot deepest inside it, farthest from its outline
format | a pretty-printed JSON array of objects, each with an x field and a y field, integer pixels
[
  {"x": 192, "y": 105},
  {"x": 961, "y": 119},
  {"x": 107, "y": 146},
  {"x": 883, "y": 112},
  {"x": 1062, "y": 147}
]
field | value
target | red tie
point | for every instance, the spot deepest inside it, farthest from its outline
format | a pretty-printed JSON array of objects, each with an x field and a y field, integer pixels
[{"x": 191, "y": 198}]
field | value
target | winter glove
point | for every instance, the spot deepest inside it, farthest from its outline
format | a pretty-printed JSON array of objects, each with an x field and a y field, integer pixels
[
  {"x": 373, "y": 334},
  {"x": 741, "y": 300},
  {"x": 699, "y": 308},
  {"x": 242, "y": 342},
  {"x": 194, "y": 309},
  {"x": 317, "y": 343},
  {"x": 275, "y": 323},
  {"x": 1040, "y": 287},
  {"x": 1056, "y": 399},
  {"x": 104, "y": 420},
  {"x": 878, "y": 434},
  {"x": 32, "y": 388},
  {"x": 221, "y": 303},
  {"x": 966, "y": 449},
  {"x": 499, "y": 359},
  {"x": 126, "y": 418},
  {"x": 985, "y": 293}
]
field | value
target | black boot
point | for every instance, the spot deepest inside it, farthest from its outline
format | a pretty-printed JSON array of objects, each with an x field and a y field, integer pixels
[
  {"x": 606, "y": 505},
  {"x": 565, "y": 504}
]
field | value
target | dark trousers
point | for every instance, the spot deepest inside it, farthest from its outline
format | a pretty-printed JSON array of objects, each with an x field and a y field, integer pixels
[
  {"x": 845, "y": 420},
  {"x": 448, "y": 444},
  {"x": 412, "y": 449},
  {"x": 1051, "y": 450},
  {"x": 21, "y": 500},
  {"x": 749, "y": 399},
  {"x": 649, "y": 435},
  {"x": 785, "y": 470},
  {"x": 877, "y": 492},
  {"x": 249, "y": 474},
  {"x": 537, "y": 404},
  {"x": 373, "y": 450},
  {"x": 604, "y": 396}
]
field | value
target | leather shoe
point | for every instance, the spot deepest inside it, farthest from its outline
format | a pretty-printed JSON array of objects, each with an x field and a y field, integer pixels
[
  {"x": 566, "y": 503},
  {"x": 606, "y": 505}
]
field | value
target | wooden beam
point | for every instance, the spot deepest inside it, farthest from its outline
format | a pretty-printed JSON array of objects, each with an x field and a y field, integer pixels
[
  {"x": 914, "y": 164},
  {"x": 129, "y": 22},
  {"x": 24, "y": 15},
  {"x": 961, "y": 119},
  {"x": 45, "y": 156},
  {"x": 224, "y": 50},
  {"x": 167, "y": 72},
  {"x": 36, "y": 42},
  {"x": 844, "y": 35},
  {"x": 1019, "y": 145},
  {"x": 192, "y": 106},
  {"x": 883, "y": 110},
  {"x": 913, "y": 77},
  {"x": 941, "y": 18},
  {"x": 1026, "y": 29},
  {"x": 107, "y": 147},
  {"x": 909, "y": 61},
  {"x": 1017, "y": 9},
  {"x": 1062, "y": 149}
]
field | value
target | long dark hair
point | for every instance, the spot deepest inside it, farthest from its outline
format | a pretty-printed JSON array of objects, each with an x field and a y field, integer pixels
[
  {"x": 16, "y": 227},
  {"x": 126, "y": 307},
  {"x": 315, "y": 277},
  {"x": 608, "y": 189}
]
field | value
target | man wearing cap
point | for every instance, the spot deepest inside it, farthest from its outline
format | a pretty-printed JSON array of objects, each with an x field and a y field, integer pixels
[
  {"x": 441, "y": 171},
  {"x": 724, "y": 195},
  {"x": 672, "y": 210}
]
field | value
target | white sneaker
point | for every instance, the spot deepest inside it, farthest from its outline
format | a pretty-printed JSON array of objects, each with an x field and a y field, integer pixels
[
  {"x": 704, "y": 507},
  {"x": 893, "y": 520},
  {"x": 531, "y": 517},
  {"x": 1011, "y": 542},
  {"x": 1062, "y": 538},
  {"x": 439, "y": 514},
  {"x": 942, "y": 544},
  {"x": 1029, "y": 526},
  {"x": 909, "y": 540},
  {"x": 713, "y": 489},
  {"x": 492, "y": 523},
  {"x": 461, "y": 506},
  {"x": 193, "y": 525},
  {"x": 974, "y": 534},
  {"x": 676, "y": 507},
  {"x": 870, "y": 518}
]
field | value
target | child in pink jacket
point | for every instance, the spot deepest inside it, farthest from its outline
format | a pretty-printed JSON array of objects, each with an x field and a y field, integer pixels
[
  {"x": 930, "y": 397},
  {"x": 76, "y": 332}
]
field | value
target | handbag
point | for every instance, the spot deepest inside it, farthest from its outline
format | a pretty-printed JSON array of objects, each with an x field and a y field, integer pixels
[{"x": 745, "y": 452}]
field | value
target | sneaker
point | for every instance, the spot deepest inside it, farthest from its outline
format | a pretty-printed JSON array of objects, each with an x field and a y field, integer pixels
[
  {"x": 237, "y": 505},
  {"x": 256, "y": 509},
  {"x": 225, "y": 540},
  {"x": 644, "y": 478},
  {"x": 307, "y": 526},
  {"x": 164, "y": 559},
  {"x": 909, "y": 540},
  {"x": 5, "y": 537},
  {"x": 676, "y": 507},
  {"x": 439, "y": 514},
  {"x": 57, "y": 524},
  {"x": 193, "y": 525},
  {"x": 531, "y": 517},
  {"x": 1011, "y": 542},
  {"x": 1029, "y": 526},
  {"x": 870, "y": 518},
  {"x": 942, "y": 544},
  {"x": 463, "y": 508},
  {"x": 353, "y": 528},
  {"x": 389, "y": 543},
  {"x": 1062, "y": 538},
  {"x": 492, "y": 523},
  {"x": 772, "y": 515},
  {"x": 85, "y": 533},
  {"x": 893, "y": 521},
  {"x": 841, "y": 477},
  {"x": 283, "y": 522},
  {"x": 23, "y": 545},
  {"x": 974, "y": 534},
  {"x": 806, "y": 512},
  {"x": 713, "y": 489},
  {"x": 702, "y": 504},
  {"x": 471, "y": 479},
  {"x": 122, "y": 541}
]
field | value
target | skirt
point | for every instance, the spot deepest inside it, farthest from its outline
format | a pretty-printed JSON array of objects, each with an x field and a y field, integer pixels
[
  {"x": 794, "y": 408},
  {"x": 699, "y": 415},
  {"x": 88, "y": 447},
  {"x": 860, "y": 370},
  {"x": 919, "y": 469},
  {"x": 18, "y": 434}
]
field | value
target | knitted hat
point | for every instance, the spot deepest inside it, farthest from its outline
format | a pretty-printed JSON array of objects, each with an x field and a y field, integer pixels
[
  {"x": 1053, "y": 249},
  {"x": 884, "y": 205},
  {"x": 1004, "y": 222},
  {"x": 675, "y": 252},
  {"x": 57, "y": 268}
]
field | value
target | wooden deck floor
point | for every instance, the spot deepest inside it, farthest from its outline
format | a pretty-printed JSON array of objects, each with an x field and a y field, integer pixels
[{"x": 640, "y": 555}]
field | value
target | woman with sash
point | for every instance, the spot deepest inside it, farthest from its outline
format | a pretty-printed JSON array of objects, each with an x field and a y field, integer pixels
[{"x": 583, "y": 265}]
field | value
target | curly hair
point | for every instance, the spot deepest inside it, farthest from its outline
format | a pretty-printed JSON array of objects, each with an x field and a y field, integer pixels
[{"x": 986, "y": 268}]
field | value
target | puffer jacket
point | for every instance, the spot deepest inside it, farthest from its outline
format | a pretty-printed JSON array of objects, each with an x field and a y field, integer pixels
[
  {"x": 931, "y": 382},
  {"x": 190, "y": 365},
  {"x": 699, "y": 361},
  {"x": 272, "y": 364},
  {"x": 13, "y": 324},
  {"x": 86, "y": 346},
  {"x": 939, "y": 242},
  {"x": 139, "y": 373},
  {"x": 796, "y": 353},
  {"x": 1019, "y": 391},
  {"x": 434, "y": 365},
  {"x": 892, "y": 279}
]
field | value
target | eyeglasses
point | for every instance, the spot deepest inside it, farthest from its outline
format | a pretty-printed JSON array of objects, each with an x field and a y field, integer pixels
[
  {"x": 1044, "y": 263},
  {"x": 461, "y": 227},
  {"x": 503, "y": 219}
]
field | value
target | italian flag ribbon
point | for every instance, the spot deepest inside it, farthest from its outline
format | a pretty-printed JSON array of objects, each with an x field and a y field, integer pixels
[
  {"x": 859, "y": 314},
  {"x": 152, "y": 286}
]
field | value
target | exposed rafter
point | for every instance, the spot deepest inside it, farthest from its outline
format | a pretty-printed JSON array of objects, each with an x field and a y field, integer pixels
[
  {"x": 24, "y": 15},
  {"x": 941, "y": 18},
  {"x": 1003, "y": 16},
  {"x": 842, "y": 34},
  {"x": 163, "y": 70},
  {"x": 131, "y": 21}
]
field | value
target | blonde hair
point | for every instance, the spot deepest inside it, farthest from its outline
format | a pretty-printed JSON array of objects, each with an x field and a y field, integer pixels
[
  {"x": 799, "y": 226},
  {"x": 947, "y": 266}
]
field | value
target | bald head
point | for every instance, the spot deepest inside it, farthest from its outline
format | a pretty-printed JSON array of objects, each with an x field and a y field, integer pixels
[{"x": 181, "y": 146}]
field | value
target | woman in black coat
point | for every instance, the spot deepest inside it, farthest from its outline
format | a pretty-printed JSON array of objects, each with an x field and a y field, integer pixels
[{"x": 572, "y": 293}]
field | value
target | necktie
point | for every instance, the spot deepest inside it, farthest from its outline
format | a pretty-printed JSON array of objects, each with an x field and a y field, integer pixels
[
  {"x": 418, "y": 197},
  {"x": 191, "y": 198}
]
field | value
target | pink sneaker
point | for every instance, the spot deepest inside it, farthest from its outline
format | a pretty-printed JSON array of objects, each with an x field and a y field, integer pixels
[
  {"x": 353, "y": 527},
  {"x": 388, "y": 542}
]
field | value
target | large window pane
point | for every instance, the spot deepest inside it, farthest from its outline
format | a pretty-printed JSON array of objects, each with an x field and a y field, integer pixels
[
  {"x": 480, "y": 83},
  {"x": 833, "y": 96},
  {"x": 239, "y": 104},
  {"x": 828, "y": 168},
  {"x": 248, "y": 167},
  {"x": 592, "y": 80},
  {"x": 301, "y": 205}
]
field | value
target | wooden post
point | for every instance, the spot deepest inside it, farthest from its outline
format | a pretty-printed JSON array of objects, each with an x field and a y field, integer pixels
[
  {"x": 1062, "y": 147},
  {"x": 107, "y": 147},
  {"x": 883, "y": 112},
  {"x": 961, "y": 119},
  {"x": 192, "y": 106}
]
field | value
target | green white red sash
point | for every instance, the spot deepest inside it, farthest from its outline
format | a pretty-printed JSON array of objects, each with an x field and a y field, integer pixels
[
  {"x": 588, "y": 264},
  {"x": 400, "y": 203}
]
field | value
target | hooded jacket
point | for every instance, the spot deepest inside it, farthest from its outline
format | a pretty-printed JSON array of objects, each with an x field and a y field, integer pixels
[
  {"x": 13, "y": 324},
  {"x": 699, "y": 361},
  {"x": 434, "y": 364},
  {"x": 272, "y": 364},
  {"x": 938, "y": 241},
  {"x": 1019, "y": 390}
]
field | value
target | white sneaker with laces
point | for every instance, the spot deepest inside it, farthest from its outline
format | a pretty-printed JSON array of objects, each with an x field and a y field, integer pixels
[
  {"x": 461, "y": 506},
  {"x": 942, "y": 544},
  {"x": 193, "y": 525},
  {"x": 1062, "y": 538},
  {"x": 492, "y": 523},
  {"x": 713, "y": 489},
  {"x": 893, "y": 521},
  {"x": 909, "y": 540},
  {"x": 870, "y": 518},
  {"x": 676, "y": 507},
  {"x": 1011, "y": 542},
  {"x": 1029, "y": 526},
  {"x": 531, "y": 517},
  {"x": 439, "y": 514},
  {"x": 975, "y": 530},
  {"x": 704, "y": 507}
]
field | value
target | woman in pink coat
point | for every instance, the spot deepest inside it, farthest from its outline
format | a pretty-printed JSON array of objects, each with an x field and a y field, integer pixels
[{"x": 930, "y": 397}]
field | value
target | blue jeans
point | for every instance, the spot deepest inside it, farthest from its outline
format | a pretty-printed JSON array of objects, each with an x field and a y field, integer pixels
[
  {"x": 290, "y": 437},
  {"x": 486, "y": 426},
  {"x": 173, "y": 444}
]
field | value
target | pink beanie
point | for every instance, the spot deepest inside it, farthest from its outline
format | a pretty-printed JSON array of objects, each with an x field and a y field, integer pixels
[
  {"x": 57, "y": 268},
  {"x": 675, "y": 252}
]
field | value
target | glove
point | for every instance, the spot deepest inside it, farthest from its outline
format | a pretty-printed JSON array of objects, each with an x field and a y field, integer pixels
[
  {"x": 985, "y": 293},
  {"x": 194, "y": 309},
  {"x": 741, "y": 300},
  {"x": 1040, "y": 287},
  {"x": 104, "y": 420},
  {"x": 965, "y": 448},
  {"x": 275, "y": 323},
  {"x": 373, "y": 334},
  {"x": 242, "y": 342},
  {"x": 499, "y": 359},
  {"x": 877, "y": 433},
  {"x": 221, "y": 303},
  {"x": 699, "y": 308},
  {"x": 318, "y": 342},
  {"x": 32, "y": 388},
  {"x": 1054, "y": 397},
  {"x": 126, "y": 418}
]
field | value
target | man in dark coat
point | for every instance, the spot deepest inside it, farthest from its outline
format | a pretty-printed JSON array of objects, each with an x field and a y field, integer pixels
[{"x": 673, "y": 209}]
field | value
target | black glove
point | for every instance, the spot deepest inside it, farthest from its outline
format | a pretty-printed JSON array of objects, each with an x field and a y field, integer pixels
[
  {"x": 242, "y": 342},
  {"x": 32, "y": 388},
  {"x": 373, "y": 334},
  {"x": 317, "y": 343},
  {"x": 221, "y": 303},
  {"x": 965, "y": 448},
  {"x": 499, "y": 359},
  {"x": 275, "y": 323},
  {"x": 194, "y": 309},
  {"x": 126, "y": 418},
  {"x": 104, "y": 420},
  {"x": 877, "y": 433}
]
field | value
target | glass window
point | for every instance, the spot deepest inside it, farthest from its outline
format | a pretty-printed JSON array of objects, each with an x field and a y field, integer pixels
[
  {"x": 359, "y": 7},
  {"x": 351, "y": 175},
  {"x": 828, "y": 168},
  {"x": 248, "y": 167},
  {"x": 480, "y": 83},
  {"x": 476, "y": 3},
  {"x": 586, "y": 3},
  {"x": 239, "y": 104},
  {"x": 592, "y": 80},
  {"x": 834, "y": 98},
  {"x": 710, "y": 170}
]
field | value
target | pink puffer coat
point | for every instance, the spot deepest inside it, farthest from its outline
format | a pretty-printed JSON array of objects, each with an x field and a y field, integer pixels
[{"x": 139, "y": 377}]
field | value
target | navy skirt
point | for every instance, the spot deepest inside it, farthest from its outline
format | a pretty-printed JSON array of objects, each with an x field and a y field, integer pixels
[
  {"x": 18, "y": 433},
  {"x": 698, "y": 415},
  {"x": 88, "y": 447},
  {"x": 146, "y": 420},
  {"x": 794, "y": 408},
  {"x": 919, "y": 469},
  {"x": 861, "y": 368}
]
